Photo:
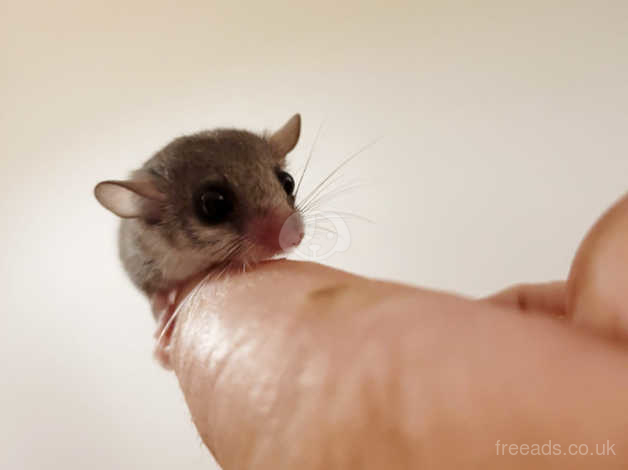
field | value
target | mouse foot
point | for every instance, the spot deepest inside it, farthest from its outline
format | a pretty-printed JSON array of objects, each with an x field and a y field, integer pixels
[{"x": 163, "y": 304}]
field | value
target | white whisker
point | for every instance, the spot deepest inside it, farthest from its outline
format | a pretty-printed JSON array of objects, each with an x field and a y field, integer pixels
[
  {"x": 339, "y": 167},
  {"x": 188, "y": 299},
  {"x": 309, "y": 158},
  {"x": 333, "y": 194}
]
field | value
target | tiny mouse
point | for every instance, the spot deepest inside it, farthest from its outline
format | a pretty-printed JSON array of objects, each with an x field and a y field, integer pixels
[{"x": 209, "y": 201}]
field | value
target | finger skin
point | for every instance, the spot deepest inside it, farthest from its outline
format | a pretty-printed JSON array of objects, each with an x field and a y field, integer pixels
[
  {"x": 597, "y": 289},
  {"x": 334, "y": 371},
  {"x": 549, "y": 298}
]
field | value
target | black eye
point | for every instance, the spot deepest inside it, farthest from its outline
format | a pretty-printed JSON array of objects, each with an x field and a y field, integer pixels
[
  {"x": 214, "y": 205},
  {"x": 286, "y": 181}
]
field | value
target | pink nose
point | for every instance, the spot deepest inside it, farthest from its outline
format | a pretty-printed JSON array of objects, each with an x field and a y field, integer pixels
[
  {"x": 278, "y": 231},
  {"x": 291, "y": 233}
]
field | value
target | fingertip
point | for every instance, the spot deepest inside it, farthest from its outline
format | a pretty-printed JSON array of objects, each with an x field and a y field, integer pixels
[{"x": 597, "y": 288}]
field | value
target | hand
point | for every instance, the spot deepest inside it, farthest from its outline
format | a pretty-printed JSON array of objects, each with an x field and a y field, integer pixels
[{"x": 295, "y": 365}]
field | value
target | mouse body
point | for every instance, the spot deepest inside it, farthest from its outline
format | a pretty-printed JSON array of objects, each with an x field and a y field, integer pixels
[{"x": 209, "y": 201}]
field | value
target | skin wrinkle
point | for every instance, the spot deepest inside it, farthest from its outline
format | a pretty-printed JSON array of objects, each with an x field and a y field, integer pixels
[
  {"x": 225, "y": 370},
  {"x": 219, "y": 363},
  {"x": 247, "y": 349},
  {"x": 272, "y": 424},
  {"x": 369, "y": 392},
  {"x": 300, "y": 395},
  {"x": 306, "y": 402},
  {"x": 295, "y": 403},
  {"x": 295, "y": 399},
  {"x": 195, "y": 340}
]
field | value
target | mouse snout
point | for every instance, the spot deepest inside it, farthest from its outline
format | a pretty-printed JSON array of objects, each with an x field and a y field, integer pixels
[
  {"x": 277, "y": 231},
  {"x": 292, "y": 231}
]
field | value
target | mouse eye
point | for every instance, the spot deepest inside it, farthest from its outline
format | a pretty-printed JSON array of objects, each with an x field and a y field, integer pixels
[
  {"x": 286, "y": 181},
  {"x": 214, "y": 205}
]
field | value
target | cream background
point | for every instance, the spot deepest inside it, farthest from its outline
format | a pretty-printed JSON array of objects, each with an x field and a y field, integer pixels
[{"x": 504, "y": 136}]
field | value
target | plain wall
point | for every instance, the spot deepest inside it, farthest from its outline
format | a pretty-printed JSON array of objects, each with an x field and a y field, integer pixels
[{"x": 503, "y": 131}]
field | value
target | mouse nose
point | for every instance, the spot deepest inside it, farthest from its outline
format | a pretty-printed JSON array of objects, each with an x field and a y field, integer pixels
[
  {"x": 292, "y": 232},
  {"x": 277, "y": 230}
]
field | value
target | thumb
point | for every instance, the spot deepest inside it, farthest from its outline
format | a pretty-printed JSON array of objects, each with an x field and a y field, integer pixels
[{"x": 597, "y": 288}]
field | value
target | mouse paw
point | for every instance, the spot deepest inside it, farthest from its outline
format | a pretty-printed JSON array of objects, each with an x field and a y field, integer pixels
[{"x": 163, "y": 304}]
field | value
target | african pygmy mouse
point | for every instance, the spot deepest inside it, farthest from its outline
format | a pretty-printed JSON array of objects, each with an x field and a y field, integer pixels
[{"x": 208, "y": 201}]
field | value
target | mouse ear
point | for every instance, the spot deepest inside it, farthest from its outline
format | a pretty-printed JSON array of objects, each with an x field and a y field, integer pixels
[
  {"x": 131, "y": 198},
  {"x": 284, "y": 140}
]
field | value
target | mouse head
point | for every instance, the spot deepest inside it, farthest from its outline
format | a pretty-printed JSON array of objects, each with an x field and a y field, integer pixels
[{"x": 220, "y": 195}]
